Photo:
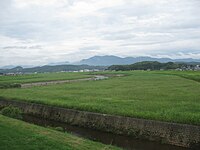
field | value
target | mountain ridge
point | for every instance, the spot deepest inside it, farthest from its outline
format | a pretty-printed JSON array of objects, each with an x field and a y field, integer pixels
[{"x": 108, "y": 60}]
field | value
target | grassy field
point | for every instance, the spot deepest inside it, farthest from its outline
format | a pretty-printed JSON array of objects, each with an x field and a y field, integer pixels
[
  {"x": 18, "y": 135},
  {"x": 192, "y": 75},
  {"x": 41, "y": 77},
  {"x": 161, "y": 95}
]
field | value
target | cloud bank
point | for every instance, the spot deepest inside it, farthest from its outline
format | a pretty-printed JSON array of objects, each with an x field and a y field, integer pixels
[{"x": 42, "y": 31}]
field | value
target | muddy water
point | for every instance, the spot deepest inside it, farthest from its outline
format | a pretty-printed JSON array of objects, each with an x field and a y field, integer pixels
[{"x": 127, "y": 143}]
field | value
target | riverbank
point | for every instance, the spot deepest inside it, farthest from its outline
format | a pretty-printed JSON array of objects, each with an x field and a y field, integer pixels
[
  {"x": 122, "y": 141},
  {"x": 19, "y": 135},
  {"x": 169, "y": 133}
]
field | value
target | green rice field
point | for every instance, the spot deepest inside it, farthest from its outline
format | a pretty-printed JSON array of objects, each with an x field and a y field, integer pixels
[
  {"x": 40, "y": 77},
  {"x": 172, "y": 96}
]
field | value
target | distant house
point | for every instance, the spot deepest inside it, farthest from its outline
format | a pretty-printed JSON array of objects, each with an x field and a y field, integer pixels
[
  {"x": 95, "y": 70},
  {"x": 10, "y": 74},
  {"x": 86, "y": 70},
  {"x": 197, "y": 67}
]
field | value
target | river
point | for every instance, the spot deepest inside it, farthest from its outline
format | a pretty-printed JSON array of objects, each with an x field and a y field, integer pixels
[{"x": 125, "y": 142}]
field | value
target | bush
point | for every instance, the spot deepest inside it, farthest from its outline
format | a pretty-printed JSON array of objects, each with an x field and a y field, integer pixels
[
  {"x": 6, "y": 86},
  {"x": 56, "y": 128},
  {"x": 12, "y": 112},
  {"x": 59, "y": 129}
]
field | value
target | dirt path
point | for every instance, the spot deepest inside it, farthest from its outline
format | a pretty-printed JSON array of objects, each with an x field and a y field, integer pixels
[{"x": 96, "y": 77}]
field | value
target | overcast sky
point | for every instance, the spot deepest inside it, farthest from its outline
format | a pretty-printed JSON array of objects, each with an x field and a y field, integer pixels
[{"x": 35, "y": 32}]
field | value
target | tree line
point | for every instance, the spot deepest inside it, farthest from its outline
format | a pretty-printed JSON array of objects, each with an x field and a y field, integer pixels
[{"x": 148, "y": 65}]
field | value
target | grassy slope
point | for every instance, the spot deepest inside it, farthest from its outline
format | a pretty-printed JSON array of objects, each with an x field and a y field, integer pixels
[
  {"x": 41, "y": 77},
  {"x": 141, "y": 94},
  {"x": 18, "y": 135}
]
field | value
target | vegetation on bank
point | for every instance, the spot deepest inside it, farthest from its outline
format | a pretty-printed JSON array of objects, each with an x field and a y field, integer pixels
[
  {"x": 9, "y": 85},
  {"x": 156, "y": 95},
  {"x": 19, "y": 135},
  {"x": 12, "y": 112},
  {"x": 149, "y": 65}
]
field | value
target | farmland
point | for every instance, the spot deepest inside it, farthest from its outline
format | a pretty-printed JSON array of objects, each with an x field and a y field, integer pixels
[
  {"x": 28, "y": 78},
  {"x": 15, "y": 81},
  {"x": 159, "y": 95},
  {"x": 19, "y": 135}
]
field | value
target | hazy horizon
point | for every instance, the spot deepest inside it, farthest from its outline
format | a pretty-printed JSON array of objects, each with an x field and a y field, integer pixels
[
  {"x": 78, "y": 62},
  {"x": 39, "y": 32}
]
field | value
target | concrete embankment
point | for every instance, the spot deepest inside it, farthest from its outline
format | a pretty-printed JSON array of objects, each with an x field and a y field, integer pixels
[{"x": 169, "y": 133}]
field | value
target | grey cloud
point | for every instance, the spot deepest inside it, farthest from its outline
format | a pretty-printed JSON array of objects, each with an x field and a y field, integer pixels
[
  {"x": 119, "y": 35},
  {"x": 90, "y": 48},
  {"x": 146, "y": 43},
  {"x": 133, "y": 27},
  {"x": 4, "y": 4},
  {"x": 127, "y": 10},
  {"x": 23, "y": 47}
]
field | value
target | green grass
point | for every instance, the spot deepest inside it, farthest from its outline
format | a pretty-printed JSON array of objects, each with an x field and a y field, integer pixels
[
  {"x": 40, "y": 77},
  {"x": 142, "y": 94},
  {"x": 192, "y": 75},
  {"x": 18, "y": 135}
]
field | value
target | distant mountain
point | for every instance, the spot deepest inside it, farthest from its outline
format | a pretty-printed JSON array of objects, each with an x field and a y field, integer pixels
[
  {"x": 95, "y": 61},
  {"x": 12, "y": 66},
  {"x": 31, "y": 66},
  {"x": 12, "y": 70},
  {"x": 109, "y": 60},
  {"x": 7, "y": 67},
  {"x": 104, "y": 60},
  {"x": 58, "y": 63},
  {"x": 56, "y": 68}
]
